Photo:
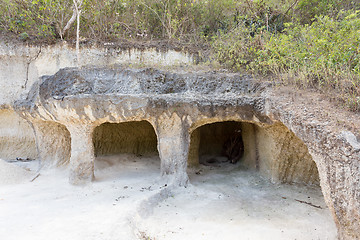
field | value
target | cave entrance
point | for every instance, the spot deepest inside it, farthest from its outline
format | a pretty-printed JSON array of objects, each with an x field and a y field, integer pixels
[
  {"x": 129, "y": 148},
  {"x": 223, "y": 143},
  {"x": 272, "y": 150},
  {"x": 275, "y": 183}
]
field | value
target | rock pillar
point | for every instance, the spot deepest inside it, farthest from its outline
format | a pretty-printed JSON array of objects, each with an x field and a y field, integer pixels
[
  {"x": 341, "y": 187},
  {"x": 173, "y": 147},
  {"x": 82, "y": 154}
]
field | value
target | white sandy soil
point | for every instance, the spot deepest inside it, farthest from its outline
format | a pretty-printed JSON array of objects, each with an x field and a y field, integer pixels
[{"x": 129, "y": 201}]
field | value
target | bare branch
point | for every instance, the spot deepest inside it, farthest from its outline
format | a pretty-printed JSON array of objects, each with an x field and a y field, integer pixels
[
  {"x": 292, "y": 5},
  {"x": 161, "y": 20},
  {"x": 70, "y": 22},
  {"x": 77, "y": 4}
]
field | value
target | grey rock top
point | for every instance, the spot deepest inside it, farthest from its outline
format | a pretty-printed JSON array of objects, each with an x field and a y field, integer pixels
[
  {"x": 119, "y": 90},
  {"x": 147, "y": 81}
]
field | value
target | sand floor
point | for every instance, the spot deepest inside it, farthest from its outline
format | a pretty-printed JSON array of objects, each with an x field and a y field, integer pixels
[{"x": 128, "y": 200}]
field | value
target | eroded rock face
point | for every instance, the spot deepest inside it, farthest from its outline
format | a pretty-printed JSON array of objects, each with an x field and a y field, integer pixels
[
  {"x": 16, "y": 138},
  {"x": 22, "y": 65},
  {"x": 137, "y": 138},
  {"x": 53, "y": 143},
  {"x": 337, "y": 158},
  {"x": 283, "y": 145}
]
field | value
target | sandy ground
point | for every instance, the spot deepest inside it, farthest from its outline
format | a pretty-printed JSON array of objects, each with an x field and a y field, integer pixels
[{"x": 129, "y": 201}]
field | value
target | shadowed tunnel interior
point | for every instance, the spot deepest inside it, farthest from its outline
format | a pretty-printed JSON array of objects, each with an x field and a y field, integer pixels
[
  {"x": 130, "y": 145},
  {"x": 273, "y": 150},
  {"x": 216, "y": 143},
  {"x": 136, "y": 138}
]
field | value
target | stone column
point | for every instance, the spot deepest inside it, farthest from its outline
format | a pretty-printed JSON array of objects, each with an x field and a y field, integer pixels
[
  {"x": 173, "y": 147},
  {"x": 53, "y": 143},
  {"x": 341, "y": 187},
  {"x": 82, "y": 154}
]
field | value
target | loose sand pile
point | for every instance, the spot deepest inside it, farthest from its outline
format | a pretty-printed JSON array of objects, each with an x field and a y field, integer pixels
[{"x": 11, "y": 173}]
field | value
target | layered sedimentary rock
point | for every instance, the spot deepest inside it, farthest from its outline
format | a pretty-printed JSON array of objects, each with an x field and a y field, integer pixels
[
  {"x": 76, "y": 114},
  {"x": 21, "y": 65}
]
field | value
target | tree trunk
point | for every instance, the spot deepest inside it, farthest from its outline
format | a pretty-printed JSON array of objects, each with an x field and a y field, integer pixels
[{"x": 77, "y": 5}]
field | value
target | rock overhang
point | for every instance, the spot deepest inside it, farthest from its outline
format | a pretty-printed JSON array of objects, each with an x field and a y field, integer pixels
[
  {"x": 61, "y": 122},
  {"x": 143, "y": 92},
  {"x": 71, "y": 103}
]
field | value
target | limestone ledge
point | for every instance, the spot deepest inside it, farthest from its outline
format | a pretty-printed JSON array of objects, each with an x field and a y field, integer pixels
[{"x": 65, "y": 109}]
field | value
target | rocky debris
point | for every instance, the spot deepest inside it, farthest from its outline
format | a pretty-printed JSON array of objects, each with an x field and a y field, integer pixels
[{"x": 24, "y": 159}]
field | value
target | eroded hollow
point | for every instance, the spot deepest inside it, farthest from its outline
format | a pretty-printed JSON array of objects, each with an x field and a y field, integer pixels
[
  {"x": 17, "y": 138},
  {"x": 256, "y": 188},
  {"x": 125, "y": 147},
  {"x": 216, "y": 143},
  {"x": 53, "y": 142},
  {"x": 272, "y": 150}
]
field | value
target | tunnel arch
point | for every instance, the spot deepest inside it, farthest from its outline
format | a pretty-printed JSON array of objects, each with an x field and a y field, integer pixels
[
  {"x": 17, "y": 138},
  {"x": 53, "y": 141},
  {"x": 272, "y": 149},
  {"x": 134, "y": 137},
  {"x": 125, "y": 144}
]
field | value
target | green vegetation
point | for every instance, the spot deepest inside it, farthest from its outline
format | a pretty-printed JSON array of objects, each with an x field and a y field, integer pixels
[
  {"x": 324, "y": 55},
  {"x": 321, "y": 53},
  {"x": 310, "y": 43},
  {"x": 181, "y": 20}
]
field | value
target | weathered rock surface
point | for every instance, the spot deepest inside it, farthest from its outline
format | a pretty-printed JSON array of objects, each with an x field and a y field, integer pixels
[
  {"x": 77, "y": 113},
  {"x": 281, "y": 143},
  {"x": 22, "y": 65},
  {"x": 171, "y": 103},
  {"x": 334, "y": 150},
  {"x": 16, "y": 137}
]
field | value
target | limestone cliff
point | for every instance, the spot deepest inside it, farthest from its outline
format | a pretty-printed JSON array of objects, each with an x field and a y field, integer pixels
[{"x": 76, "y": 113}]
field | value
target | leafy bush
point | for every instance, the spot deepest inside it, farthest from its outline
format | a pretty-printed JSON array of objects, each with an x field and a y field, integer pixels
[
  {"x": 326, "y": 53},
  {"x": 323, "y": 55},
  {"x": 152, "y": 19},
  {"x": 108, "y": 19},
  {"x": 38, "y": 18},
  {"x": 238, "y": 48},
  {"x": 307, "y": 10}
]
